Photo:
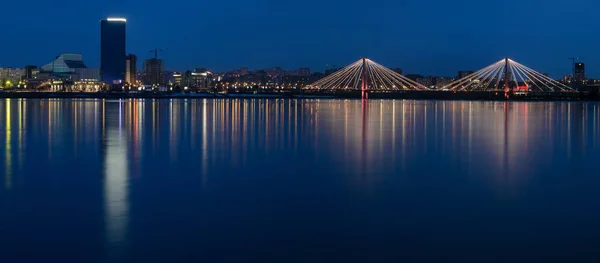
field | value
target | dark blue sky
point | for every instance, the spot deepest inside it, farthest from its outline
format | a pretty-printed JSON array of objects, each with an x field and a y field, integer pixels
[{"x": 421, "y": 36}]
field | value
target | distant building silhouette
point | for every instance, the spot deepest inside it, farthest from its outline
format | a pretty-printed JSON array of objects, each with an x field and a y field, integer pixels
[
  {"x": 331, "y": 71},
  {"x": 441, "y": 82},
  {"x": 464, "y": 73},
  {"x": 154, "y": 72},
  {"x": 414, "y": 77},
  {"x": 397, "y": 70},
  {"x": 428, "y": 82},
  {"x": 304, "y": 72},
  {"x": 31, "y": 72}
]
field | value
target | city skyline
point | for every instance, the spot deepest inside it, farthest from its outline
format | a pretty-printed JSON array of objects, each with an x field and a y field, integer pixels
[{"x": 264, "y": 34}]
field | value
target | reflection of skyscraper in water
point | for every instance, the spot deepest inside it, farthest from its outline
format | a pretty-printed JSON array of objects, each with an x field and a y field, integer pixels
[
  {"x": 204, "y": 143},
  {"x": 116, "y": 200}
]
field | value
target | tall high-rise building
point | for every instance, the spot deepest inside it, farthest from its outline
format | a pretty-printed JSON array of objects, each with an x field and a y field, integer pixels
[
  {"x": 580, "y": 72},
  {"x": 112, "y": 50},
  {"x": 153, "y": 69},
  {"x": 131, "y": 69}
]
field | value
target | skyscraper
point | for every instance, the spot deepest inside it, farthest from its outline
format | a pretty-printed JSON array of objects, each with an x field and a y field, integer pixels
[
  {"x": 131, "y": 69},
  {"x": 112, "y": 50}
]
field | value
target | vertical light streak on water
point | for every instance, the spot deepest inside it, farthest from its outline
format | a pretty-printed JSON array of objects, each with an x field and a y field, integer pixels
[
  {"x": 21, "y": 132},
  {"x": 116, "y": 184},
  {"x": 204, "y": 142},
  {"x": 8, "y": 150}
]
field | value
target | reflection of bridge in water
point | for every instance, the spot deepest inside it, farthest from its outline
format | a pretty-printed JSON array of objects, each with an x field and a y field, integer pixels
[
  {"x": 390, "y": 136},
  {"x": 428, "y": 137}
]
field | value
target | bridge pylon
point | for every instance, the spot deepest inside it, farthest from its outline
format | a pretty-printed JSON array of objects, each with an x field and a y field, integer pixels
[
  {"x": 365, "y": 76},
  {"x": 364, "y": 85},
  {"x": 507, "y": 76}
]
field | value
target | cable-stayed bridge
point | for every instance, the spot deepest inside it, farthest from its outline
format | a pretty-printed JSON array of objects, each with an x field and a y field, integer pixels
[
  {"x": 365, "y": 75},
  {"x": 505, "y": 76}
]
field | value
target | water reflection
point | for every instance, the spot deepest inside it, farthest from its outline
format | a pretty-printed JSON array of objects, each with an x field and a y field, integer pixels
[
  {"x": 8, "y": 147},
  {"x": 116, "y": 181},
  {"x": 380, "y": 135},
  {"x": 211, "y": 164}
]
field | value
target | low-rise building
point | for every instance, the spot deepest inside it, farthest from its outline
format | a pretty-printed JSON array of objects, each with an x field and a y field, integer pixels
[
  {"x": 71, "y": 66},
  {"x": 10, "y": 77},
  {"x": 68, "y": 73}
]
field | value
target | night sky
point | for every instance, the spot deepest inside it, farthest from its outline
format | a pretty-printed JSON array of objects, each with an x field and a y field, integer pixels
[{"x": 424, "y": 36}]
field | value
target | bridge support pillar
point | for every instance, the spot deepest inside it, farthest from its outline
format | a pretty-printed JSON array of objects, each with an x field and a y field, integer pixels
[
  {"x": 506, "y": 82},
  {"x": 364, "y": 86}
]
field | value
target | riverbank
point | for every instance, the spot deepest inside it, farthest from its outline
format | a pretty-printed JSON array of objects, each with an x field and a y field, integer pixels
[{"x": 434, "y": 95}]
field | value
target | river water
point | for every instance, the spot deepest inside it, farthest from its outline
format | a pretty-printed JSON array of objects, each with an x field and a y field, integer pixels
[{"x": 274, "y": 180}]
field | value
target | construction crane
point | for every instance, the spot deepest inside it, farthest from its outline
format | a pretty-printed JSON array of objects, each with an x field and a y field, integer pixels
[{"x": 155, "y": 51}]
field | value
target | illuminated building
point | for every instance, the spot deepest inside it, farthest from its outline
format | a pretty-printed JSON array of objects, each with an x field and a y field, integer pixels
[
  {"x": 70, "y": 66},
  {"x": 112, "y": 50},
  {"x": 195, "y": 80},
  {"x": 11, "y": 76},
  {"x": 67, "y": 73},
  {"x": 294, "y": 82},
  {"x": 177, "y": 77}
]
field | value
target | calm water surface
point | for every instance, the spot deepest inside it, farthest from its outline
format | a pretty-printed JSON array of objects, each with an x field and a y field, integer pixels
[{"x": 298, "y": 181}]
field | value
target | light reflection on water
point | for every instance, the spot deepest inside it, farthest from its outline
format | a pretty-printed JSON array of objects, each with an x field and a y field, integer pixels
[
  {"x": 274, "y": 180},
  {"x": 116, "y": 175}
]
